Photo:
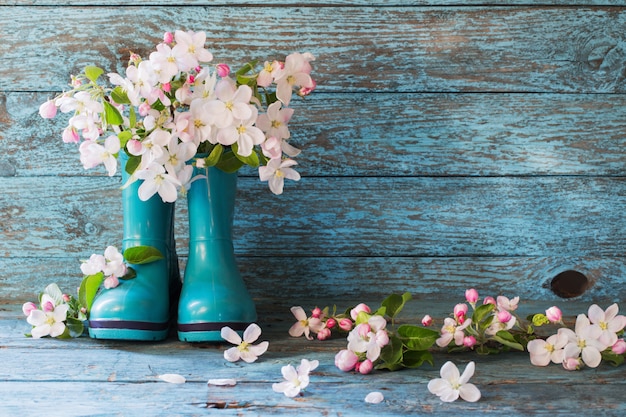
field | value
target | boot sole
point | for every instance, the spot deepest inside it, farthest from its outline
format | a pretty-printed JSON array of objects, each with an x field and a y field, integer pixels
[
  {"x": 128, "y": 330},
  {"x": 207, "y": 332}
]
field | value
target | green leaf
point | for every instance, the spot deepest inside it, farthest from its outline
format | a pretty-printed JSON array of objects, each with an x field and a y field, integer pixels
[
  {"x": 481, "y": 312},
  {"x": 158, "y": 105},
  {"x": 124, "y": 137},
  {"x": 392, "y": 353},
  {"x": 416, "y": 337},
  {"x": 139, "y": 255},
  {"x": 132, "y": 117},
  {"x": 130, "y": 274},
  {"x": 112, "y": 115},
  {"x": 119, "y": 96},
  {"x": 247, "y": 67},
  {"x": 75, "y": 327},
  {"x": 92, "y": 72},
  {"x": 88, "y": 289},
  {"x": 395, "y": 303},
  {"x": 613, "y": 358},
  {"x": 229, "y": 163},
  {"x": 507, "y": 339},
  {"x": 132, "y": 164},
  {"x": 416, "y": 358},
  {"x": 215, "y": 155},
  {"x": 252, "y": 159}
]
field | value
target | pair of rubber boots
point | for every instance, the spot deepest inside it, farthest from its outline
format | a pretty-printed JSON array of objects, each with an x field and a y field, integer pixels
[{"x": 213, "y": 294}]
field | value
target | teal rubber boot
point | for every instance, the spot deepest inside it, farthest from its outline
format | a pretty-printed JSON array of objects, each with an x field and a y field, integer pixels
[
  {"x": 140, "y": 308},
  {"x": 213, "y": 295}
]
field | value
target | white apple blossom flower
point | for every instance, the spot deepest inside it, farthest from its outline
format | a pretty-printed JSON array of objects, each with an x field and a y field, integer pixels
[
  {"x": 296, "y": 379},
  {"x": 542, "y": 352},
  {"x": 48, "y": 323},
  {"x": 295, "y": 73},
  {"x": 244, "y": 133},
  {"x": 274, "y": 122},
  {"x": 583, "y": 341},
  {"x": 608, "y": 321},
  {"x": 93, "y": 154},
  {"x": 305, "y": 324},
  {"x": 114, "y": 262},
  {"x": 244, "y": 350},
  {"x": 275, "y": 173},
  {"x": 231, "y": 103},
  {"x": 156, "y": 180},
  {"x": 452, "y": 385},
  {"x": 369, "y": 337},
  {"x": 451, "y": 330},
  {"x": 189, "y": 50}
]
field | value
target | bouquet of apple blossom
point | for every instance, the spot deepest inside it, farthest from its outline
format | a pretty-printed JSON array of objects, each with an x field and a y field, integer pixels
[
  {"x": 171, "y": 107},
  {"x": 62, "y": 315},
  {"x": 487, "y": 327}
]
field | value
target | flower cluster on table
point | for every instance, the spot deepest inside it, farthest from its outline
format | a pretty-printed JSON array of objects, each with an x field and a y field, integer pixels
[
  {"x": 373, "y": 342},
  {"x": 172, "y": 108}
]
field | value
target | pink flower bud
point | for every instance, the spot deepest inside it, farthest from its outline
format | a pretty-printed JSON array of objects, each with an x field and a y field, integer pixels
[
  {"x": 305, "y": 91},
  {"x": 48, "y": 306},
  {"x": 504, "y": 316},
  {"x": 66, "y": 298},
  {"x": 144, "y": 109},
  {"x": 70, "y": 135},
  {"x": 364, "y": 367},
  {"x": 554, "y": 314},
  {"x": 168, "y": 37},
  {"x": 345, "y": 324},
  {"x": 471, "y": 296},
  {"x": 460, "y": 319},
  {"x": 167, "y": 87},
  {"x": 330, "y": 323},
  {"x": 460, "y": 310},
  {"x": 323, "y": 334},
  {"x": 571, "y": 364},
  {"x": 48, "y": 110},
  {"x": 359, "y": 308},
  {"x": 316, "y": 313},
  {"x": 134, "y": 58},
  {"x": 28, "y": 307},
  {"x": 191, "y": 79},
  {"x": 363, "y": 330},
  {"x": 346, "y": 360},
  {"x": 619, "y": 347},
  {"x": 489, "y": 300},
  {"x": 427, "y": 320},
  {"x": 469, "y": 341},
  {"x": 111, "y": 282},
  {"x": 223, "y": 70}
]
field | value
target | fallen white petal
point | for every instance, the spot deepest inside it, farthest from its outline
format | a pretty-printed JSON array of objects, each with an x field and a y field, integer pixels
[
  {"x": 173, "y": 378},
  {"x": 223, "y": 382},
  {"x": 374, "y": 397}
]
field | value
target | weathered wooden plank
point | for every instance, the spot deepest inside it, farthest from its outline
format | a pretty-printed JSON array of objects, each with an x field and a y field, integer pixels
[
  {"x": 322, "y": 3},
  {"x": 114, "y": 372},
  {"x": 455, "y": 216},
  {"x": 390, "y": 135},
  {"x": 311, "y": 280},
  {"x": 359, "y": 48}
]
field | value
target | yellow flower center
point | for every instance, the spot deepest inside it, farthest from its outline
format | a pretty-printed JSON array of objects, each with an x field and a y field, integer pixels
[{"x": 243, "y": 346}]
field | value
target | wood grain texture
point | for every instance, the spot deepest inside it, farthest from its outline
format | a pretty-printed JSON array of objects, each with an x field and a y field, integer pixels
[
  {"x": 457, "y": 216},
  {"x": 113, "y": 372},
  {"x": 390, "y": 135},
  {"x": 321, "y": 3},
  {"x": 381, "y": 49}
]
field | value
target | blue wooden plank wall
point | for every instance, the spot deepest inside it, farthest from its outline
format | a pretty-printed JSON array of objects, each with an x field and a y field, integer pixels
[{"x": 449, "y": 145}]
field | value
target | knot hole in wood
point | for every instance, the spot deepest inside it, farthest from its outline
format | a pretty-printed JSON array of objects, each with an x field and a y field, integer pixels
[{"x": 569, "y": 284}]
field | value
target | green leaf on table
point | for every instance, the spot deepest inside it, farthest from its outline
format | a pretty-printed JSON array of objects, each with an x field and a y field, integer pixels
[
  {"x": 416, "y": 337},
  {"x": 139, "y": 255},
  {"x": 391, "y": 354},
  {"x": 507, "y": 339},
  {"x": 395, "y": 303},
  {"x": 75, "y": 327},
  {"x": 416, "y": 358},
  {"x": 481, "y": 312}
]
